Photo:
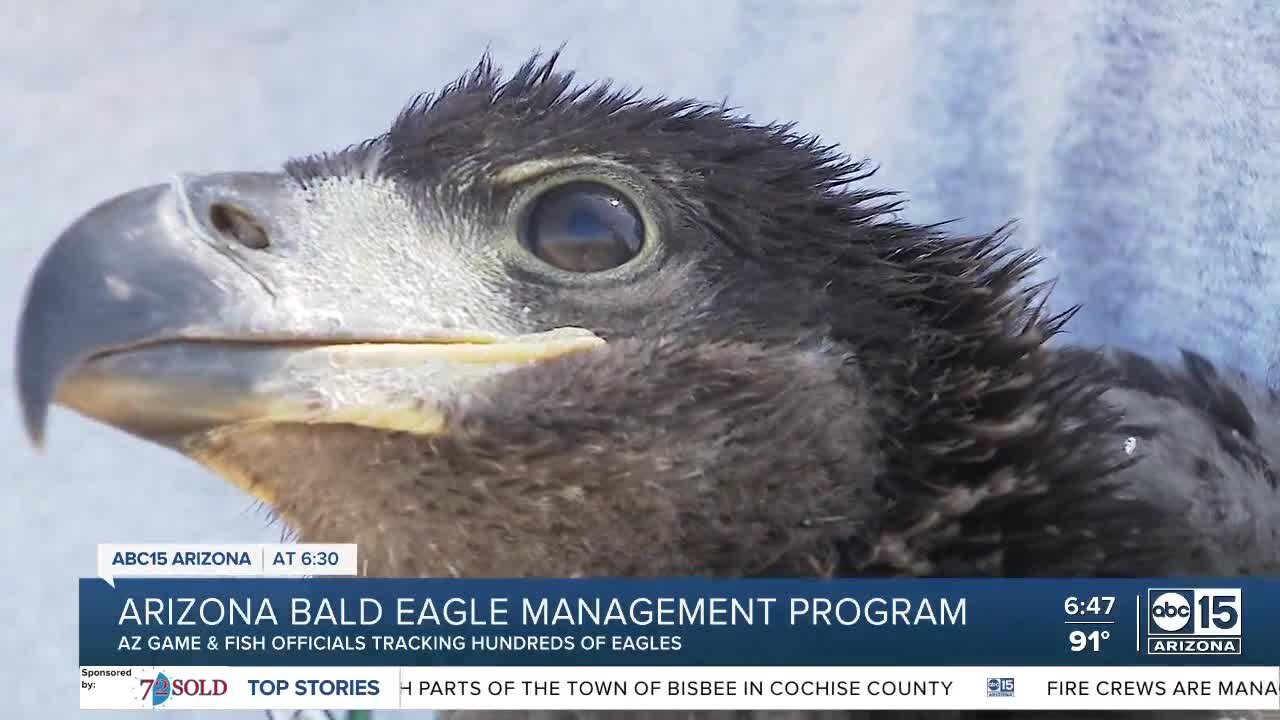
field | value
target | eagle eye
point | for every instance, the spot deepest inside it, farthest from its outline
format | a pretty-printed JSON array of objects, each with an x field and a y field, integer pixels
[{"x": 582, "y": 227}]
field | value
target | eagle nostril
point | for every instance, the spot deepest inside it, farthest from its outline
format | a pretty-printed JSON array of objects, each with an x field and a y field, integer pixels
[{"x": 238, "y": 225}]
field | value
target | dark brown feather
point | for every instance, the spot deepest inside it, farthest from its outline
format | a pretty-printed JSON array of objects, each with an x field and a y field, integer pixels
[{"x": 816, "y": 388}]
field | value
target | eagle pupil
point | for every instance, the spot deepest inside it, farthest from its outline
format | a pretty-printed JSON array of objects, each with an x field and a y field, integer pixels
[{"x": 583, "y": 227}]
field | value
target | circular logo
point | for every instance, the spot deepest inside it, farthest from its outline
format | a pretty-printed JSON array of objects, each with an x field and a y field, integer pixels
[
  {"x": 1171, "y": 612},
  {"x": 993, "y": 684}
]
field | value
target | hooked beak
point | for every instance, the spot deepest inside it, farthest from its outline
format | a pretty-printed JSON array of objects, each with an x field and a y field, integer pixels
[{"x": 164, "y": 312}]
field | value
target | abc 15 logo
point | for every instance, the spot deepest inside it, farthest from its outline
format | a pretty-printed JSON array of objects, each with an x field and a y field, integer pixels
[{"x": 1194, "y": 611}]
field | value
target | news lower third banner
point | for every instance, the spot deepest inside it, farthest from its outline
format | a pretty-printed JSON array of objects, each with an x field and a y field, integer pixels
[{"x": 254, "y": 642}]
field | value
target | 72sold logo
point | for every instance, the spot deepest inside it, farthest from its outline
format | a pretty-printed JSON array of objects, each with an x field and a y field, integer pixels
[{"x": 161, "y": 688}]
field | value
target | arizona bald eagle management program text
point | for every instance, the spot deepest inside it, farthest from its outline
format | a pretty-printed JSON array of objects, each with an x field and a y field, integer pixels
[{"x": 248, "y": 610}]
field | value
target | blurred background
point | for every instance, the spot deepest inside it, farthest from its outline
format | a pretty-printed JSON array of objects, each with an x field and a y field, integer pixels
[{"x": 1135, "y": 143}]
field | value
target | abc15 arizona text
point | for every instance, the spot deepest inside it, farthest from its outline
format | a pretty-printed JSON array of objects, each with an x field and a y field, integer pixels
[{"x": 1194, "y": 621}]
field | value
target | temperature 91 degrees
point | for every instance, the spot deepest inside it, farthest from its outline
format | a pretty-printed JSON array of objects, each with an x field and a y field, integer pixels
[{"x": 1087, "y": 640}]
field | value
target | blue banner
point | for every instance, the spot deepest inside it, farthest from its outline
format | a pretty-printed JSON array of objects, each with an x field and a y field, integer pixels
[{"x": 678, "y": 622}]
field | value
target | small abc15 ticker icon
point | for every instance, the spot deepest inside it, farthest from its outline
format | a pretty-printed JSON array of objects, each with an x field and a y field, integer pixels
[{"x": 1194, "y": 621}]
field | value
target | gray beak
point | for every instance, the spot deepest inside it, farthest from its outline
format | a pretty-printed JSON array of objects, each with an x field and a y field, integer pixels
[
  {"x": 172, "y": 309},
  {"x": 148, "y": 266}
]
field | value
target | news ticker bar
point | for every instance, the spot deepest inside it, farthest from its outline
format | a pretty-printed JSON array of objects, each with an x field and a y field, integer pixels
[
  {"x": 679, "y": 622},
  {"x": 1220, "y": 689}
]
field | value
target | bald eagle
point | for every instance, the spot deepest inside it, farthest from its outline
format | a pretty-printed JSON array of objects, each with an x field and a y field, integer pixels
[{"x": 547, "y": 328}]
